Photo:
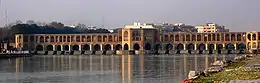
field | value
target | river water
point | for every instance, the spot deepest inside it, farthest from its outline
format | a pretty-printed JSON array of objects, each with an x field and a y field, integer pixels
[{"x": 104, "y": 69}]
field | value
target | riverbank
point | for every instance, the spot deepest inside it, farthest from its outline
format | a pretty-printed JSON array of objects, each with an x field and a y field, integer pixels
[{"x": 239, "y": 70}]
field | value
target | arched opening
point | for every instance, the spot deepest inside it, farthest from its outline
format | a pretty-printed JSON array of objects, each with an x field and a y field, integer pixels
[
  {"x": 254, "y": 36},
  {"x": 219, "y": 48},
  {"x": 198, "y": 37},
  {"x": 118, "y": 47},
  {"x": 77, "y": 38},
  {"x": 99, "y": 38},
  {"x": 97, "y": 47},
  {"x": 169, "y": 47},
  {"x": 60, "y": 39},
  {"x": 68, "y": 38},
  {"x": 158, "y": 47},
  {"x": 136, "y": 46},
  {"x": 110, "y": 39},
  {"x": 104, "y": 38},
  {"x": 83, "y": 39},
  {"x": 213, "y": 37},
  {"x": 193, "y": 38},
  {"x": 239, "y": 37},
  {"x": 249, "y": 37},
  {"x": 115, "y": 39},
  {"x": 66, "y": 48},
  {"x": 211, "y": 48},
  {"x": 39, "y": 48},
  {"x": 177, "y": 38},
  {"x": 58, "y": 48},
  {"x": 64, "y": 38},
  {"x": 88, "y": 38},
  {"x": 49, "y": 48},
  {"x": 75, "y": 47},
  {"x": 201, "y": 47},
  {"x": 31, "y": 38},
  {"x": 52, "y": 39},
  {"x": 218, "y": 37},
  {"x": 230, "y": 47},
  {"x": 107, "y": 47},
  {"x": 125, "y": 36},
  {"x": 227, "y": 37},
  {"x": 172, "y": 38},
  {"x": 126, "y": 47},
  {"x": 25, "y": 47},
  {"x": 241, "y": 48},
  {"x": 188, "y": 37},
  {"x": 180, "y": 47},
  {"x": 47, "y": 39},
  {"x": 86, "y": 47},
  {"x": 147, "y": 46},
  {"x": 166, "y": 38},
  {"x": 41, "y": 39},
  {"x": 209, "y": 37},
  {"x": 190, "y": 46},
  {"x": 233, "y": 37}
]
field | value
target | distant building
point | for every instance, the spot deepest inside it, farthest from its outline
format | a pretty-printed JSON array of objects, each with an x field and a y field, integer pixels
[{"x": 211, "y": 28}]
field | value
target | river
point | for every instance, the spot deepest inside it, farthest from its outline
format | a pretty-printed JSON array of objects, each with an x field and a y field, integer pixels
[{"x": 104, "y": 68}]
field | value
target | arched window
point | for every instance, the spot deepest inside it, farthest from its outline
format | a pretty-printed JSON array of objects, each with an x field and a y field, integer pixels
[{"x": 125, "y": 36}]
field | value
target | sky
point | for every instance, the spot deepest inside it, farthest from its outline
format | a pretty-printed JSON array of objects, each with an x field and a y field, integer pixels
[{"x": 237, "y": 15}]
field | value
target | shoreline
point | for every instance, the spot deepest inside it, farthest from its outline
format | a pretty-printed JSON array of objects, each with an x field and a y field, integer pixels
[{"x": 236, "y": 70}]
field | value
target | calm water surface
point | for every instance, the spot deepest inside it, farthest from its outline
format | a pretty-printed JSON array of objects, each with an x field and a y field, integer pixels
[{"x": 104, "y": 69}]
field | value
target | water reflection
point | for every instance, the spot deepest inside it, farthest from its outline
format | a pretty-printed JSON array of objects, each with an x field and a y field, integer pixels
[{"x": 104, "y": 69}]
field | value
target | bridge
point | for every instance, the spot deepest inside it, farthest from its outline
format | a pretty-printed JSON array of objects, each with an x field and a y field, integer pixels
[{"x": 142, "y": 41}]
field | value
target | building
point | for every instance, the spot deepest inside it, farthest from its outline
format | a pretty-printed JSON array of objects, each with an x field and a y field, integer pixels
[
  {"x": 142, "y": 38},
  {"x": 211, "y": 28}
]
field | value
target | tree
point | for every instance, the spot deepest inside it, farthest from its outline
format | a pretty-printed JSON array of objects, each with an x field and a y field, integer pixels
[
  {"x": 56, "y": 25},
  {"x": 30, "y": 22}
]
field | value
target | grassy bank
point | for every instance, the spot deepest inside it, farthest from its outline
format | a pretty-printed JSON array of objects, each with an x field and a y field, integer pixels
[{"x": 233, "y": 72}]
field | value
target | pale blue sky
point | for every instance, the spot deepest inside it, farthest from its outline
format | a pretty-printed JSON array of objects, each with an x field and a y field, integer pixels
[{"x": 238, "y": 15}]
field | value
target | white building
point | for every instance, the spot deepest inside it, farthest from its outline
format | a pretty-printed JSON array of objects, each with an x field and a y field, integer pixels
[{"x": 210, "y": 28}]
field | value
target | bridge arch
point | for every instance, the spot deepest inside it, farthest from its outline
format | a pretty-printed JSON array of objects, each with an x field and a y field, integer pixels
[
  {"x": 191, "y": 46},
  {"x": 180, "y": 47},
  {"x": 136, "y": 46},
  {"x": 97, "y": 47},
  {"x": 126, "y": 47},
  {"x": 58, "y": 48},
  {"x": 158, "y": 47},
  {"x": 86, "y": 47},
  {"x": 201, "y": 46},
  {"x": 219, "y": 46},
  {"x": 211, "y": 47},
  {"x": 49, "y": 48},
  {"x": 107, "y": 47},
  {"x": 230, "y": 46},
  {"x": 169, "y": 47},
  {"x": 39, "y": 48},
  {"x": 118, "y": 47},
  {"x": 75, "y": 47},
  {"x": 241, "y": 46},
  {"x": 66, "y": 47},
  {"x": 147, "y": 46}
]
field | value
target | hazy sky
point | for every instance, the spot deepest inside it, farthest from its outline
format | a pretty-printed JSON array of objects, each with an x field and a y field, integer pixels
[{"x": 237, "y": 15}]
